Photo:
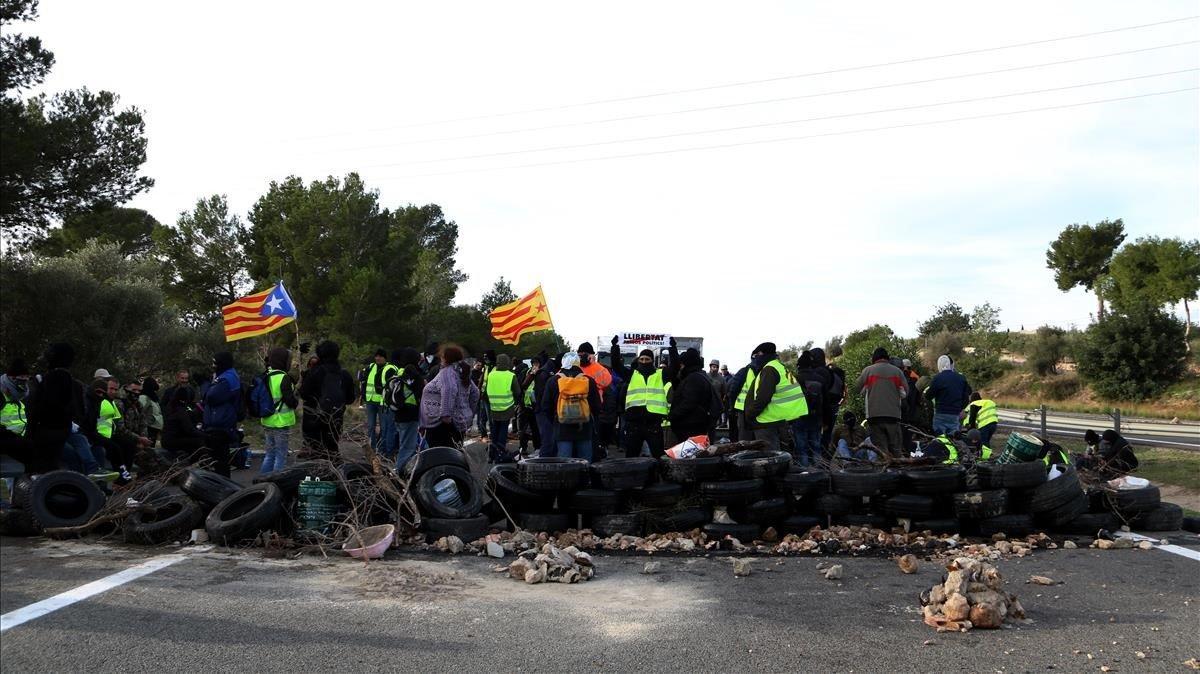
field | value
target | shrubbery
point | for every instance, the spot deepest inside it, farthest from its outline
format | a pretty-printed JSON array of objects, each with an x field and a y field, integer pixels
[{"x": 1134, "y": 355}]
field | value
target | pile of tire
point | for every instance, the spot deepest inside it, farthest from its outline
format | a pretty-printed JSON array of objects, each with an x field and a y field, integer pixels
[
  {"x": 998, "y": 498},
  {"x": 1141, "y": 509},
  {"x": 431, "y": 473},
  {"x": 60, "y": 498}
]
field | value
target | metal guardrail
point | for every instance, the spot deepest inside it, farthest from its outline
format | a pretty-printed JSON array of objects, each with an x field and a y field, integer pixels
[{"x": 1163, "y": 434}]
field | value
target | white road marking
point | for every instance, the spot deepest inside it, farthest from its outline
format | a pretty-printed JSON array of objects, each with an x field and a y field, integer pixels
[
  {"x": 1193, "y": 555},
  {"x": 23, "y": 615}
]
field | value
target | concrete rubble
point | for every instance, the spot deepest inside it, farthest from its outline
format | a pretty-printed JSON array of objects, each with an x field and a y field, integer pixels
[
  {"x": 551, "y": 564},
  {"x": 971, "y": 596}
]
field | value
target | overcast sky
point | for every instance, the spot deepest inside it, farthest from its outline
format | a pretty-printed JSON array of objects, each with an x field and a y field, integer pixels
[{"x": 839, "y": 226}]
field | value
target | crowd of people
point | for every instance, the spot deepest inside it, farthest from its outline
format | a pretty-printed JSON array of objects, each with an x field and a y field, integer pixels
[{"x": 565, "y": 405}]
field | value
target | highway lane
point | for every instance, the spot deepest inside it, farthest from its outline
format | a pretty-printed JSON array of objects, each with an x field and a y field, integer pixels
[{"x": 1138, "y": 431}]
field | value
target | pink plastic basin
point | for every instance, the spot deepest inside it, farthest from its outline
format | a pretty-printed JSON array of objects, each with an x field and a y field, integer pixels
[{"x": 374, "y": 542}]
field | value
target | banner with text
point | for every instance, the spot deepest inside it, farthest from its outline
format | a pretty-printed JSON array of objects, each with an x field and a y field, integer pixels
[{"x": 644, "y": 340}]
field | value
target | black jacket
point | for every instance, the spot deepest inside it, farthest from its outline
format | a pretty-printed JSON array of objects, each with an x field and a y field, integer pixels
[
  {"x": 310, "y": 387},
  {"x": 178, "y": 424},
  {"x": 691, "y": 399},
  {"x": 56, "y": 401}
]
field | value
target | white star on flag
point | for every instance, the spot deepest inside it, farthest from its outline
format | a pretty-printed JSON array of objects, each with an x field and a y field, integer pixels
[{"x": 275, "y": 303}]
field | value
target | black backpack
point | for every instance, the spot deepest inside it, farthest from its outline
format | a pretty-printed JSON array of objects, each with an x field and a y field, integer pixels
[{"x": 333, "y": 398}]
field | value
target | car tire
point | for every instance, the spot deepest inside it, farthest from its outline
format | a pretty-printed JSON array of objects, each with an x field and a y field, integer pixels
[
  {"x": 165, "y": 520},
  {"x": 833, "y": 505},
  {"x": 1166, "y": 517},
  {"x": 764, "y": 512},
  {"x": 595, "y": 502},
  {"x": 932, "y": 480},
  {"x": 627, "y": 473},
  {"x": 803, "y": 483},
  {"x": 1022, "y": 475},
  {"x": 936, "y": 526},
  {"x": 550, "y": 523},
  {"x": 552, "y": 474},
  {"x": 1129, "y": 503},
  {"x": 1063, "y": 514},
  {"x": 863, "y": 482},
  {"x": 979, "y": 505},
  {"x": 757, "y": 463},
  {"x": 1087, "y": 524},
  {"x": 661, "y": 495},
  {"x": 910, "y": 506},
  {"x": 245, "y": 514},
  {"x": 468, "y": 529},
  {"x": 425, "y": 494},
  {"x": 431, "y": 457},
  {"x": 208, "y": 488},
  {"x": 609, "y": 525},
  {"x": 62, "y": 498},
  {"x": 288, "y": 479},
  {"x": 732, "y": 492},
  {"x": 1056, "y": 493},
  {"x": 680, "y": 522},
  {"x": 744, "y": 533},
  {"x": 695, "y": 470},
  {"x": 799, "y": 524},
  {"x": 505, "y": 488},
  {"x": 1009, "y": 525}
]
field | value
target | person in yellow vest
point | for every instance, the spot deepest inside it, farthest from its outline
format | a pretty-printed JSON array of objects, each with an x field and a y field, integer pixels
[
  {"x": 14, "y": 384},
  {"x": 278, "y": 426},
  {"x": 108, "y": 437},
  {"x": 504, "y": 401},
  {"x": 646, "y": 407},
  {"x": 773, "y": 400},
  {"x": 976, "y": 443},
  {"x": 981, "y": 414},
  {"x": 942, "y": 448},
  {"x": 379, "y": 373}
]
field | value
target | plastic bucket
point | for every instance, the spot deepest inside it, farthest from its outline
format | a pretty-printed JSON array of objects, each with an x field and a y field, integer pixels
[
  {"x": 1021, "y": 447},
  {"x": 370, "y": 543}
]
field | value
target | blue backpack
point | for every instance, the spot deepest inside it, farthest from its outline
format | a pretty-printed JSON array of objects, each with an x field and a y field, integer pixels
[{"x": 259, "y": 404}]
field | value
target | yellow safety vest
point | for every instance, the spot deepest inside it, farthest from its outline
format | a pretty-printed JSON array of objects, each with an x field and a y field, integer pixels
[
  {"x": 284, "y": 416},
  {"x": 1062, "y": 457},
  {"x": 650, "y": 393},
  {"x": 666, "y": 423},
  {"x": 109, "y": 414},
  {"x": 740, "y": 403},
  {"x": 788, "y": 403},
  {"x": 985, "y": 452},
  {"x": 952, "y": 449},
  {"x": 499, "y": 390},
  {"x": 986, "y": 414},
  {"x": 12, "y": 417},
  {"x": 374, "y": 394}
]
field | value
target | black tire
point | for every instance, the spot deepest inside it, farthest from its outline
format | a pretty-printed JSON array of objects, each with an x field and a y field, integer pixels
[
  {"x": 470, "y": 497},
  {"x": 1166, "y": 517},
  {"x": 167, "y": 520},
  {"x": 245, "y": 514},
  {"x": 910, "y": 506},
  {"x": 802, "y": 483},
  {"x": 744, "y": 533},
  {"x": 1019, "y": 500},
  {"x": 733, "y": 492},
  {"x": 355, "y": 471},
  {"x": 1191, "y": 524},
  {"x": 1087, "y": 524},
  {"x": 62, "y": 498},
  {"x": 755, "y": 463},
  {"x": 682, "y": 521},
  {"x": 431, "y": 457},
  {"x": 1009, "y": 525},
  {"x": 799, "y": 524},
  {"x": 1057, "y": 493},
  {"x": 661, "y": 495},
  {"x": 595, "y": 502},
  {"x": 20, "y": 491},
  {"x": 288, "y": 479},
  {"x": 1065, "y": 513},
  {"x": 1010, "y": 475},
  {"x": 608, "y": 525},
  {"x": 870, "y": 520},
  {"x": 553, "y": 474},
  {"x": 1129, "y": 503},
  {"x": 550, "y": 523},
  {"x": 936, "y": 526},
  {"x": 18, "y": 522},
  {"x": 833, "y": 505},
  {"x": 628, "y": 473},
  {"x": 932, "y": 480},
  {"x": 863, "y": 482},
  {"x": 978, "y": 505},
  {"x": 502, "y": 481},
  {"x": 468, "y": 530},
  {"x": 693, "y": 471},
  {"x": 765, "y": 512},
  {"x": 208, "y": 488}
]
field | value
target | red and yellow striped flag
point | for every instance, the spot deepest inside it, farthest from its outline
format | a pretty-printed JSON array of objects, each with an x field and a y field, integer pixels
[
  {"x": 258, "y": 314},
  {"x": 528, "y": 314}
]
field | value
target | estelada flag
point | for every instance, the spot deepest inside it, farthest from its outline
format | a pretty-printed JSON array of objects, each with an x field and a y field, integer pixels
[
  {"x": 528, "y": 314},
  {"x": 258, "y": 314}
]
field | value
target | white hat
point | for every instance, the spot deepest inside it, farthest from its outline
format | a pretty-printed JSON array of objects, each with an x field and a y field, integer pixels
[
  {"x": 101, "y": 374},
  {"x": 570, "y": 360},
  {"x": 907, "y": 362}
]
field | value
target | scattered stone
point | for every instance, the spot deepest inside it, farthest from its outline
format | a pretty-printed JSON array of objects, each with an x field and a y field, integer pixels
[
  {"x": 741, "y": 567},
  {"x": 1103, "y": 544},
  {"x": 1145, "y": 545},
  {"x": 1122, "y": 544},
  {"x": 1140, "y": 655},
  {"x": 908, "y": 564},
  {"x": 1042, "y": 580},
  {"x": 1069, "y": 545},
  {"x": 550, "y": 564},
  {"x": 651, "y": 568},
  {"x": 198, "y": 536},
  {"x": 451, "y": 544},
  {"x": 834, "y": 572},
  {"x": 494, "y": 549},
  {"x": 1192, "y": 663},
  {"x": 956, "y": 608},
  {"x": 971, "y": 596}
]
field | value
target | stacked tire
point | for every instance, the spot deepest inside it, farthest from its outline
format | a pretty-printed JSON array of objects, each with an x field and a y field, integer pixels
[
  {"x": 1141, "y": 509},
  {"x": 447, "y": 495},
  {"x": 857, "y": 497},
  {"x": 747, "y": 492},
  {"x": 998, "y": 497}
]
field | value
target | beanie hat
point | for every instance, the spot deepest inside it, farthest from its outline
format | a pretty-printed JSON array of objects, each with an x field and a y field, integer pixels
[
  {"x": 879, "y": 354},
  {"x": 223, "y": 360},
  {"x": 646, "y": 352},
  {"x": 380, "y": 353},
  {"x": 503, "y": 362},
  {"x": 767, "y": 348},
  {"x": 60, "y": 354},
  {"x": 692, "y": 358},
  {"x": 586, "y": 347}
]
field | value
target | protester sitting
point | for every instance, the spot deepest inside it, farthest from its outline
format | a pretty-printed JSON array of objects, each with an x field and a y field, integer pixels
[
  {"x": 151, "y": 409},
  {"x": 851, "y": 440},
  {"x": 181, "y": 434},
  {"x": 55, "y": 413},
  {"x": 1109, "y": 455},
  {"x": 131, "y": 408},
  {"x": 449, "y": 401},
  {"x": 14, "y": 384},
  {"x": 108, "y": 438}
]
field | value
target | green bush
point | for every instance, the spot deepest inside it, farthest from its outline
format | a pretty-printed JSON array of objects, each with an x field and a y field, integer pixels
[
  {"x": 943, "y": 343},
  {"x": 1134, "y": 355},
  {"x": 856, "y": 355},
  {"x": 981, "y": 369},
  {"x": 1047, "y": 349}
]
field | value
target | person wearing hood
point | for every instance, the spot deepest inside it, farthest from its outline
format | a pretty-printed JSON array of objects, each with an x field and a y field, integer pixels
[
  {"x": 324, "y": 394},
  {"x": 430, "y": 362},
  {"x": 151, "y": 410},
  {"x": 574, "y": 419},
  {"x": 480, "y": 378},
  {"x": 1109, "y": 455},
  {"x": 645, "y": 400},
  {"x": 773, "y": 401},
  {"x": 831, "y": 398},
  {"x": 543, "y": 413},
  {"x": 884, "y": 388},
  {"x": 403, "y": 397},
  {"x": 55, "y": 410},
  {"x": 530, "y": 434},
  {"x": 807, "y": 429},
  {"x": 381, "y": 426},
  {"x": 129, "y": 401},
  {"x": 694, "y": 405},
  {"x": 14, "y": 385},
  {"x": 950, "y": 394},
  {"x": 504, "y": 402},
  {"x": 278, "y": 426},
  {"x": 222, "y": 402},
  {"x": 981, "y": 415}
]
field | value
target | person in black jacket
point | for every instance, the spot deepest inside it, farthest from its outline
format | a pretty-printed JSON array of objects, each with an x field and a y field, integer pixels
[
  {"x": 325, "y": 392},
  {"x": 817, "y": 382},
  {"x": 55, "y": 404},
  {"x": 404, "y": 392},
  {"x": 181, "y": 435},
  {"x": 692, "y": 399},
  {"x": 775, "y": 433},
  {"x": 543, "y": 410}
]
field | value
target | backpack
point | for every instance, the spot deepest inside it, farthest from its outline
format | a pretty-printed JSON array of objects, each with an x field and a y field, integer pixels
[
  {"x": 395, "y": 392},
  {"x": 838, "y": 388},
  {"x": 259, "y": 403},
  {"x": 814, "y": 392},
  {"x": 332, "y": 399},
  {"x": 573, "y": 407}
]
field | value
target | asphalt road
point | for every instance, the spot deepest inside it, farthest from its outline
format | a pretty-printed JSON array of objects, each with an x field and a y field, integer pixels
[
  {"x": 1144, "y": 432},
  {"x": 221, "y": 610}
]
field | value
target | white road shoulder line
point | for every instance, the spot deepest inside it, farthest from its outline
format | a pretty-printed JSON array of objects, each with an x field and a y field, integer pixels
[
  {"x": 1193, "y": 555},
  {"x": 23, "y": 615}
]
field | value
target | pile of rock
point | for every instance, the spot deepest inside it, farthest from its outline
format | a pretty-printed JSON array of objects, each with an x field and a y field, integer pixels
[
  {"x": 972, "y": 595},
  {"x": 552, "y": 565}
]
